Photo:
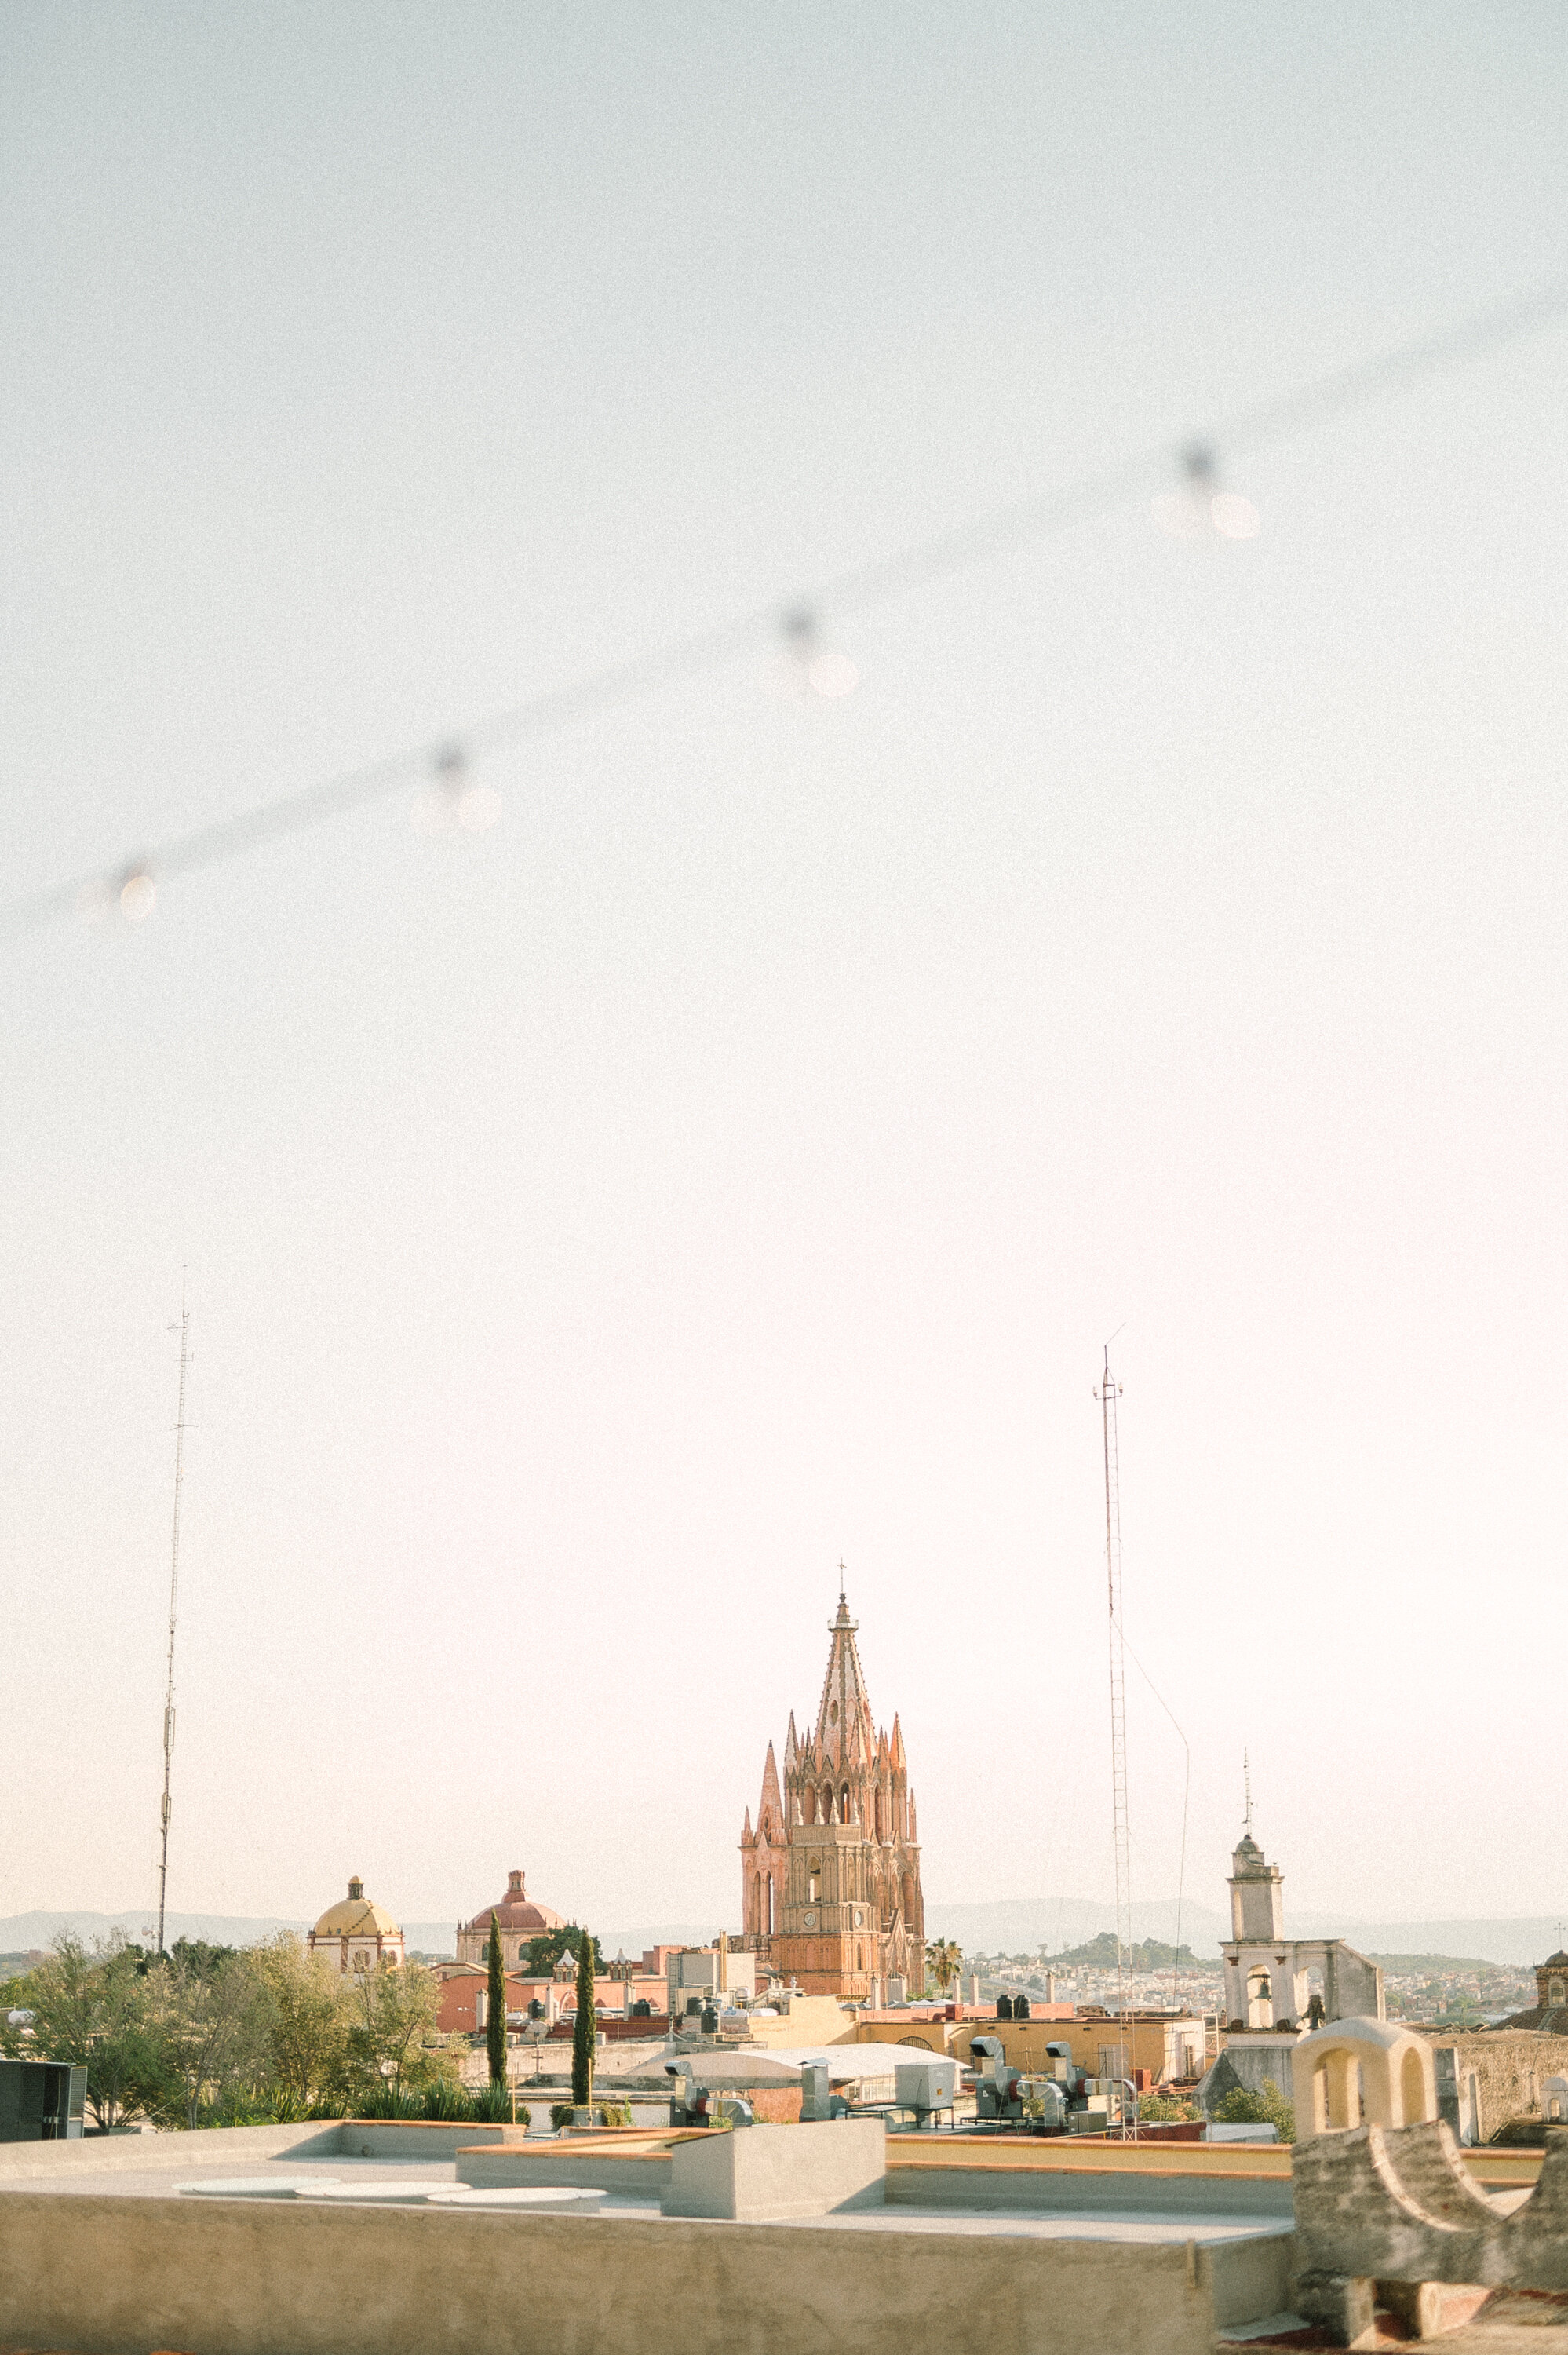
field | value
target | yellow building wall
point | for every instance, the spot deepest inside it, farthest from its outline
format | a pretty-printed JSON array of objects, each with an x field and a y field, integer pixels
[
  {"x": 1025, "y": 2042},
  {"x": 810, "y": 2019}
]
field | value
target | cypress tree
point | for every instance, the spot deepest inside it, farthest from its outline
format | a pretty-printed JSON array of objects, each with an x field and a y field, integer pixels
[
  {"x": 496, "y": 2010},
  {"x": 584, "y": 2025}
]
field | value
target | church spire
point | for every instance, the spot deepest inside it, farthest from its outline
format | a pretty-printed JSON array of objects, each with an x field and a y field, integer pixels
[{"x": 844, "y": 1701}]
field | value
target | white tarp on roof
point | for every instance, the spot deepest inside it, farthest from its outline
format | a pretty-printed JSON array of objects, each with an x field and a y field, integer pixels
[{"x": 782, "y": 2067}]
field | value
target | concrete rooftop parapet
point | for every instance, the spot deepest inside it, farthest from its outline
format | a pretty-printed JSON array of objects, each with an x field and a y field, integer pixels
[
  {"x": 765, "y": 2173},
  {"x": 287, "y": 2277}
]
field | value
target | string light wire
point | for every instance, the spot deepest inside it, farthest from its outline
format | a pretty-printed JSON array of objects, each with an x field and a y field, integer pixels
[{"x": 853, "y": 590}]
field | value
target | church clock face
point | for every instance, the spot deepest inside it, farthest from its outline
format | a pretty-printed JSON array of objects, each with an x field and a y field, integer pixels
[{"x": 808, "y": 1918}]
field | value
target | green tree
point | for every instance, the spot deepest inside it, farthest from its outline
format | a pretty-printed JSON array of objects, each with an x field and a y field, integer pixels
[
  {"x": 207, "y": 2028},
  {"x": 584, "y": 2025},
  {"x": 943, "y": 1962},
  {"x": 496, "y": 2010},
  {"x": 395, "y": 2018},
  {"x": 304, "y": 2019},
  {"x": 545, "y": 1950},
  {"x": 93, "y": 2007}
]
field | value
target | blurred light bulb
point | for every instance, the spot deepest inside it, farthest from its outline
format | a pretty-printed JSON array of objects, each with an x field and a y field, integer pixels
[
  {"x": 1200, "y": 507},
  {"x": 1234, "y": 518},
  {"x": 833, "y": 675},
  {"x": 451, "y": 801},
  {"x": 137, "y": 896},
  {"x": 806, "y": 667},
  {"x": 478, "y": 807}
]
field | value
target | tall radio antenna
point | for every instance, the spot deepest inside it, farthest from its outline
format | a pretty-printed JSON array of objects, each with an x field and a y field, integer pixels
[
  {"x": 1108, "y": 1395},
  {"x": 174, "y": 1607}
]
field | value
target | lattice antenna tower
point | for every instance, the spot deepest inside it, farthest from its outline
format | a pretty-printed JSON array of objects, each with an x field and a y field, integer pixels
[
  {"x": 174, "y": 1612},
  {"x": 1246, "y": 1790},
  {"x": 1108, "y": 1395}
]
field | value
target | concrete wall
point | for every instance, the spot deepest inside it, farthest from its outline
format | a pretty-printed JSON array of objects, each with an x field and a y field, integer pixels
[
  {"x": 98, "y": 2275},
  {"x": 1257, "y": 2061},
  {"x": 1060, "y": 2192},
  {"x": 111, "y": 2155},
  {"x": 637, "y": 2168},
  {"x": 773, "y": 2172}
]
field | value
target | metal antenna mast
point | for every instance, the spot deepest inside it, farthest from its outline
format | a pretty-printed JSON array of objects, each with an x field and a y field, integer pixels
[
  {"x": 1246, "y": 1790},
  {"x": 1108, "y": 1395},
  {"x": 174, "y": 1605}
]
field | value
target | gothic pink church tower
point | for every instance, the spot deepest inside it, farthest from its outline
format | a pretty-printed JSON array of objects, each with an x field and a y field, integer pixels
[{"x": 831, "y": 1876}]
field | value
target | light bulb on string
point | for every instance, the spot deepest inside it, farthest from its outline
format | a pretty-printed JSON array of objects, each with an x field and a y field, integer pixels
[
  {"x": 453, "y": 799},
  {"x": 1201, "y": 508},
  {"x": 804, "y": 665},
  {"x": 132, "y": 896},
  {"x": 138, "y": 895}
]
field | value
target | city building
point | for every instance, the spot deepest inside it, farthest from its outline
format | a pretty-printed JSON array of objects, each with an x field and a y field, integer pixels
[
  {"x": 623, "y": 1990},
  {"x": 830, "y": 1873},
  {"x": 716, "y": 1974},
  {"x": 519, "y": 1919},
  {"x": 1550, "y": 2010},
  {"x": 356, "y": 1934}
]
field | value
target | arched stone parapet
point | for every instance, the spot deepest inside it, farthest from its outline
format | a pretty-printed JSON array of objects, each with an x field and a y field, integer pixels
[{"x": 1362, "y": 2073}]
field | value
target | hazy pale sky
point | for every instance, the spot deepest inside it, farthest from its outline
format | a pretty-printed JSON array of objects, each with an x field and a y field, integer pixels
[{"x": 736, "y": 1159}]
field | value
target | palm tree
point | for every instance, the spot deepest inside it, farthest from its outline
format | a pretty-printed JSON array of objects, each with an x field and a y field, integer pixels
[{"x": 943, "y": 1960}]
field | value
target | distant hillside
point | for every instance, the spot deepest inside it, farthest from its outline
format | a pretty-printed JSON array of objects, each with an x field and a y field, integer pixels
[
  {"x": 1099, "y": 1955},
  {"x": 1024, "y": 1925},
  {"x": 21, "y": 1931}
]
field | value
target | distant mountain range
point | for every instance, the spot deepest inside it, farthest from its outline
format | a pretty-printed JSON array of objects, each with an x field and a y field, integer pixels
[{"x": 1004, "y": 1925}]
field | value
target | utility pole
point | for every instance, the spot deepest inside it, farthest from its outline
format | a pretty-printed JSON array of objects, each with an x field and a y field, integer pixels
[
  {"x": 174, "y": 1607},
  {"x": 1108, "y": 1395}
]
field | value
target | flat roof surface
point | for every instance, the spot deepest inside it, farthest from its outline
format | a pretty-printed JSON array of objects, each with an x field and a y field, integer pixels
[{"x": 1130, "y": 2223}]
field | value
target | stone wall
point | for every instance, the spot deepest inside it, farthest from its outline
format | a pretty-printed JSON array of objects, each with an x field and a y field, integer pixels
[{"x": 1509, "y": 2064}]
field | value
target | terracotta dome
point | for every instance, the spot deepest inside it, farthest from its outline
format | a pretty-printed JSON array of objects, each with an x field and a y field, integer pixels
[
  {"x": 357, "y": 1916},
  {"x": 516, "y": 1912}
]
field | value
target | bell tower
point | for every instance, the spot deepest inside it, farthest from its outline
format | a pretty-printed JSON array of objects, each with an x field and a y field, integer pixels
[{"x": 844, "y": 1883}]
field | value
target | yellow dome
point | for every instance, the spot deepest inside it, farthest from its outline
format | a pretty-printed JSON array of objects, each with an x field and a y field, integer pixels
[{"x": 357, "y": 1916}]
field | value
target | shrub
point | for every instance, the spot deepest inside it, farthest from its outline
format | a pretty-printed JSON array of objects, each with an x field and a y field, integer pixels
[
  {"x": 392, "y": 2101},
  {"x": 443, "y": 2100},
  {"x": 616, "y": 2113},
  {"x": 1240, "y": 2106},
  {"x": 1164, "y": 2110},
  {"x": 561, "y": 2113},
  {"x": 491, "y": 2104}
]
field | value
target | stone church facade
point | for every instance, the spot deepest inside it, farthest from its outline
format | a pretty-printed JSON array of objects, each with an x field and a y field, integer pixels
[{"x": 830, "y": 1871}]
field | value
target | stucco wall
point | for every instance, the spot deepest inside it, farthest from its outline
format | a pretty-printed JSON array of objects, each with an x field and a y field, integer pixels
[
  {"x": 121, "y": 2275},
  {"x": 1510, "y": 2063}
]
